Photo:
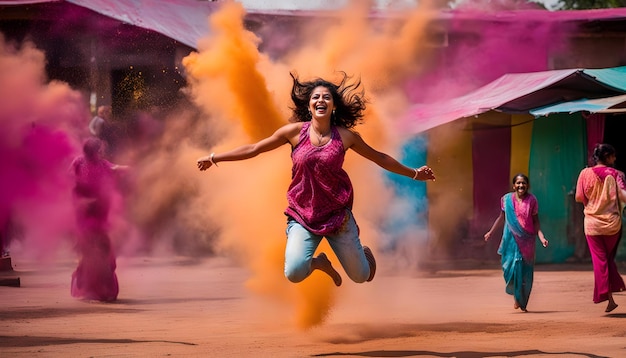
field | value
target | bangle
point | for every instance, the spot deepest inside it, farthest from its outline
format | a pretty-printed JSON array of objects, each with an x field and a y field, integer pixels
[
  {"x": 416, "y": 172},
  {"x": 211, "y": 159}
]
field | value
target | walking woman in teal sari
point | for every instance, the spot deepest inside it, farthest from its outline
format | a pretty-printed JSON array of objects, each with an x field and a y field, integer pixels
[{"x": 517, "y": 248}]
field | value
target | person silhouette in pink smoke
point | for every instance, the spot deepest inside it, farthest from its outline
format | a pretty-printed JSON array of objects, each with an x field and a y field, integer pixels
[{"x": 95, "y": 277}]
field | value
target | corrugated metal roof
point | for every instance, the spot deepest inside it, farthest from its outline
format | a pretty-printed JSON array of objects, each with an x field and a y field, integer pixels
[{"x": 185, "y": 21}]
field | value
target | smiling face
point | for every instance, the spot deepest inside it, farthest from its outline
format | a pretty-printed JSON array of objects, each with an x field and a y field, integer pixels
[
  {"x": 321, "y": 103},
  {"x": 520, "y": 186}
]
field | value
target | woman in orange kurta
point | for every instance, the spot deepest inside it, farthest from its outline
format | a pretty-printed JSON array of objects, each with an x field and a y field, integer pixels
[{"x": 601, "y": 189}]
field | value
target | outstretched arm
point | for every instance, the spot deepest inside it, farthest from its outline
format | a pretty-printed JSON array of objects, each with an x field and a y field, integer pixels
[
  {"x": 496, "y": 224},
  {"x": 283, "y": 135},
  {"x": 385, "y": 161}
]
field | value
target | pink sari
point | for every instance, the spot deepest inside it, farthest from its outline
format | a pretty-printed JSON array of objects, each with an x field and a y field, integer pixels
[{"x": 94, "y": 278}]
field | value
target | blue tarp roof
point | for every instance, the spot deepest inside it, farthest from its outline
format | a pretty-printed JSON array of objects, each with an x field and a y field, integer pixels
[
  {"x": 613, "y": 77},
  {"x": 600, "y": 105}
]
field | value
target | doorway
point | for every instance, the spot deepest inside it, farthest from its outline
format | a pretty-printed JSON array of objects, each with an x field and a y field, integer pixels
[{"x": 614, "y": 129}]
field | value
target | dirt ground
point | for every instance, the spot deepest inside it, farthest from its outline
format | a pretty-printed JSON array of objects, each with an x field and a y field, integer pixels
[{"x": 178, "y": 307}]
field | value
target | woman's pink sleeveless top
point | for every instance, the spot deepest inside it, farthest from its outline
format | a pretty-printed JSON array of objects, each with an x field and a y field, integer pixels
[{"x": 320, "y": 190}]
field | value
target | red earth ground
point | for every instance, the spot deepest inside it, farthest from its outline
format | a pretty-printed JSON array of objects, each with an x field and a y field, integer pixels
[{"x": 179, "y": 307}]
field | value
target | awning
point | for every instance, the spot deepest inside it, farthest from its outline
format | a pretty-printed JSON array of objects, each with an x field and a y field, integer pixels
[
  {"x": 185, "y": 21},
  {"x": 522, "y": 93},
  {"x": 616, "y": 104},
  {"x": 422, "y": 117}
]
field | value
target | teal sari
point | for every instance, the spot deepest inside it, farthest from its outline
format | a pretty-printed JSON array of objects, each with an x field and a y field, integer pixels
[{"x": 517, "y": 249}]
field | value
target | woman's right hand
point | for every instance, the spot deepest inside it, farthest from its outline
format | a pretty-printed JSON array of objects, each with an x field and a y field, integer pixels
[{"x": 204, "y": 163}]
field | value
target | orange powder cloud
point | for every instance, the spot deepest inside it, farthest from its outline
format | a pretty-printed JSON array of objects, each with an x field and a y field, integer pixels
[
  {"x": 245, "y": 97},
  {"x": 226, "y": 77}
]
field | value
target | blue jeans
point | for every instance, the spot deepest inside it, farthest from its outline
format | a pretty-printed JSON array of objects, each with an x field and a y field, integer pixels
[{"x": 301, "y": 246}]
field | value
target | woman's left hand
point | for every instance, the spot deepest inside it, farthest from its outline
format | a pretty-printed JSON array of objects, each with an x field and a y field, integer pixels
[{"x": 425, "y": 173}]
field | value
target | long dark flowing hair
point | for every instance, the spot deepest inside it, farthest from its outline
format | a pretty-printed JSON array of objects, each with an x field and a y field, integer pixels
[{"x": 349, "y": 98}]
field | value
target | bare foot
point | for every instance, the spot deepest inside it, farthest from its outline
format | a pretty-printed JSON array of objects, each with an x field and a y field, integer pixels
[
  {"x": 611, "y": 306},
  {"x": 516, "y": 306},
  {"x": 323, "y": 263}
]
